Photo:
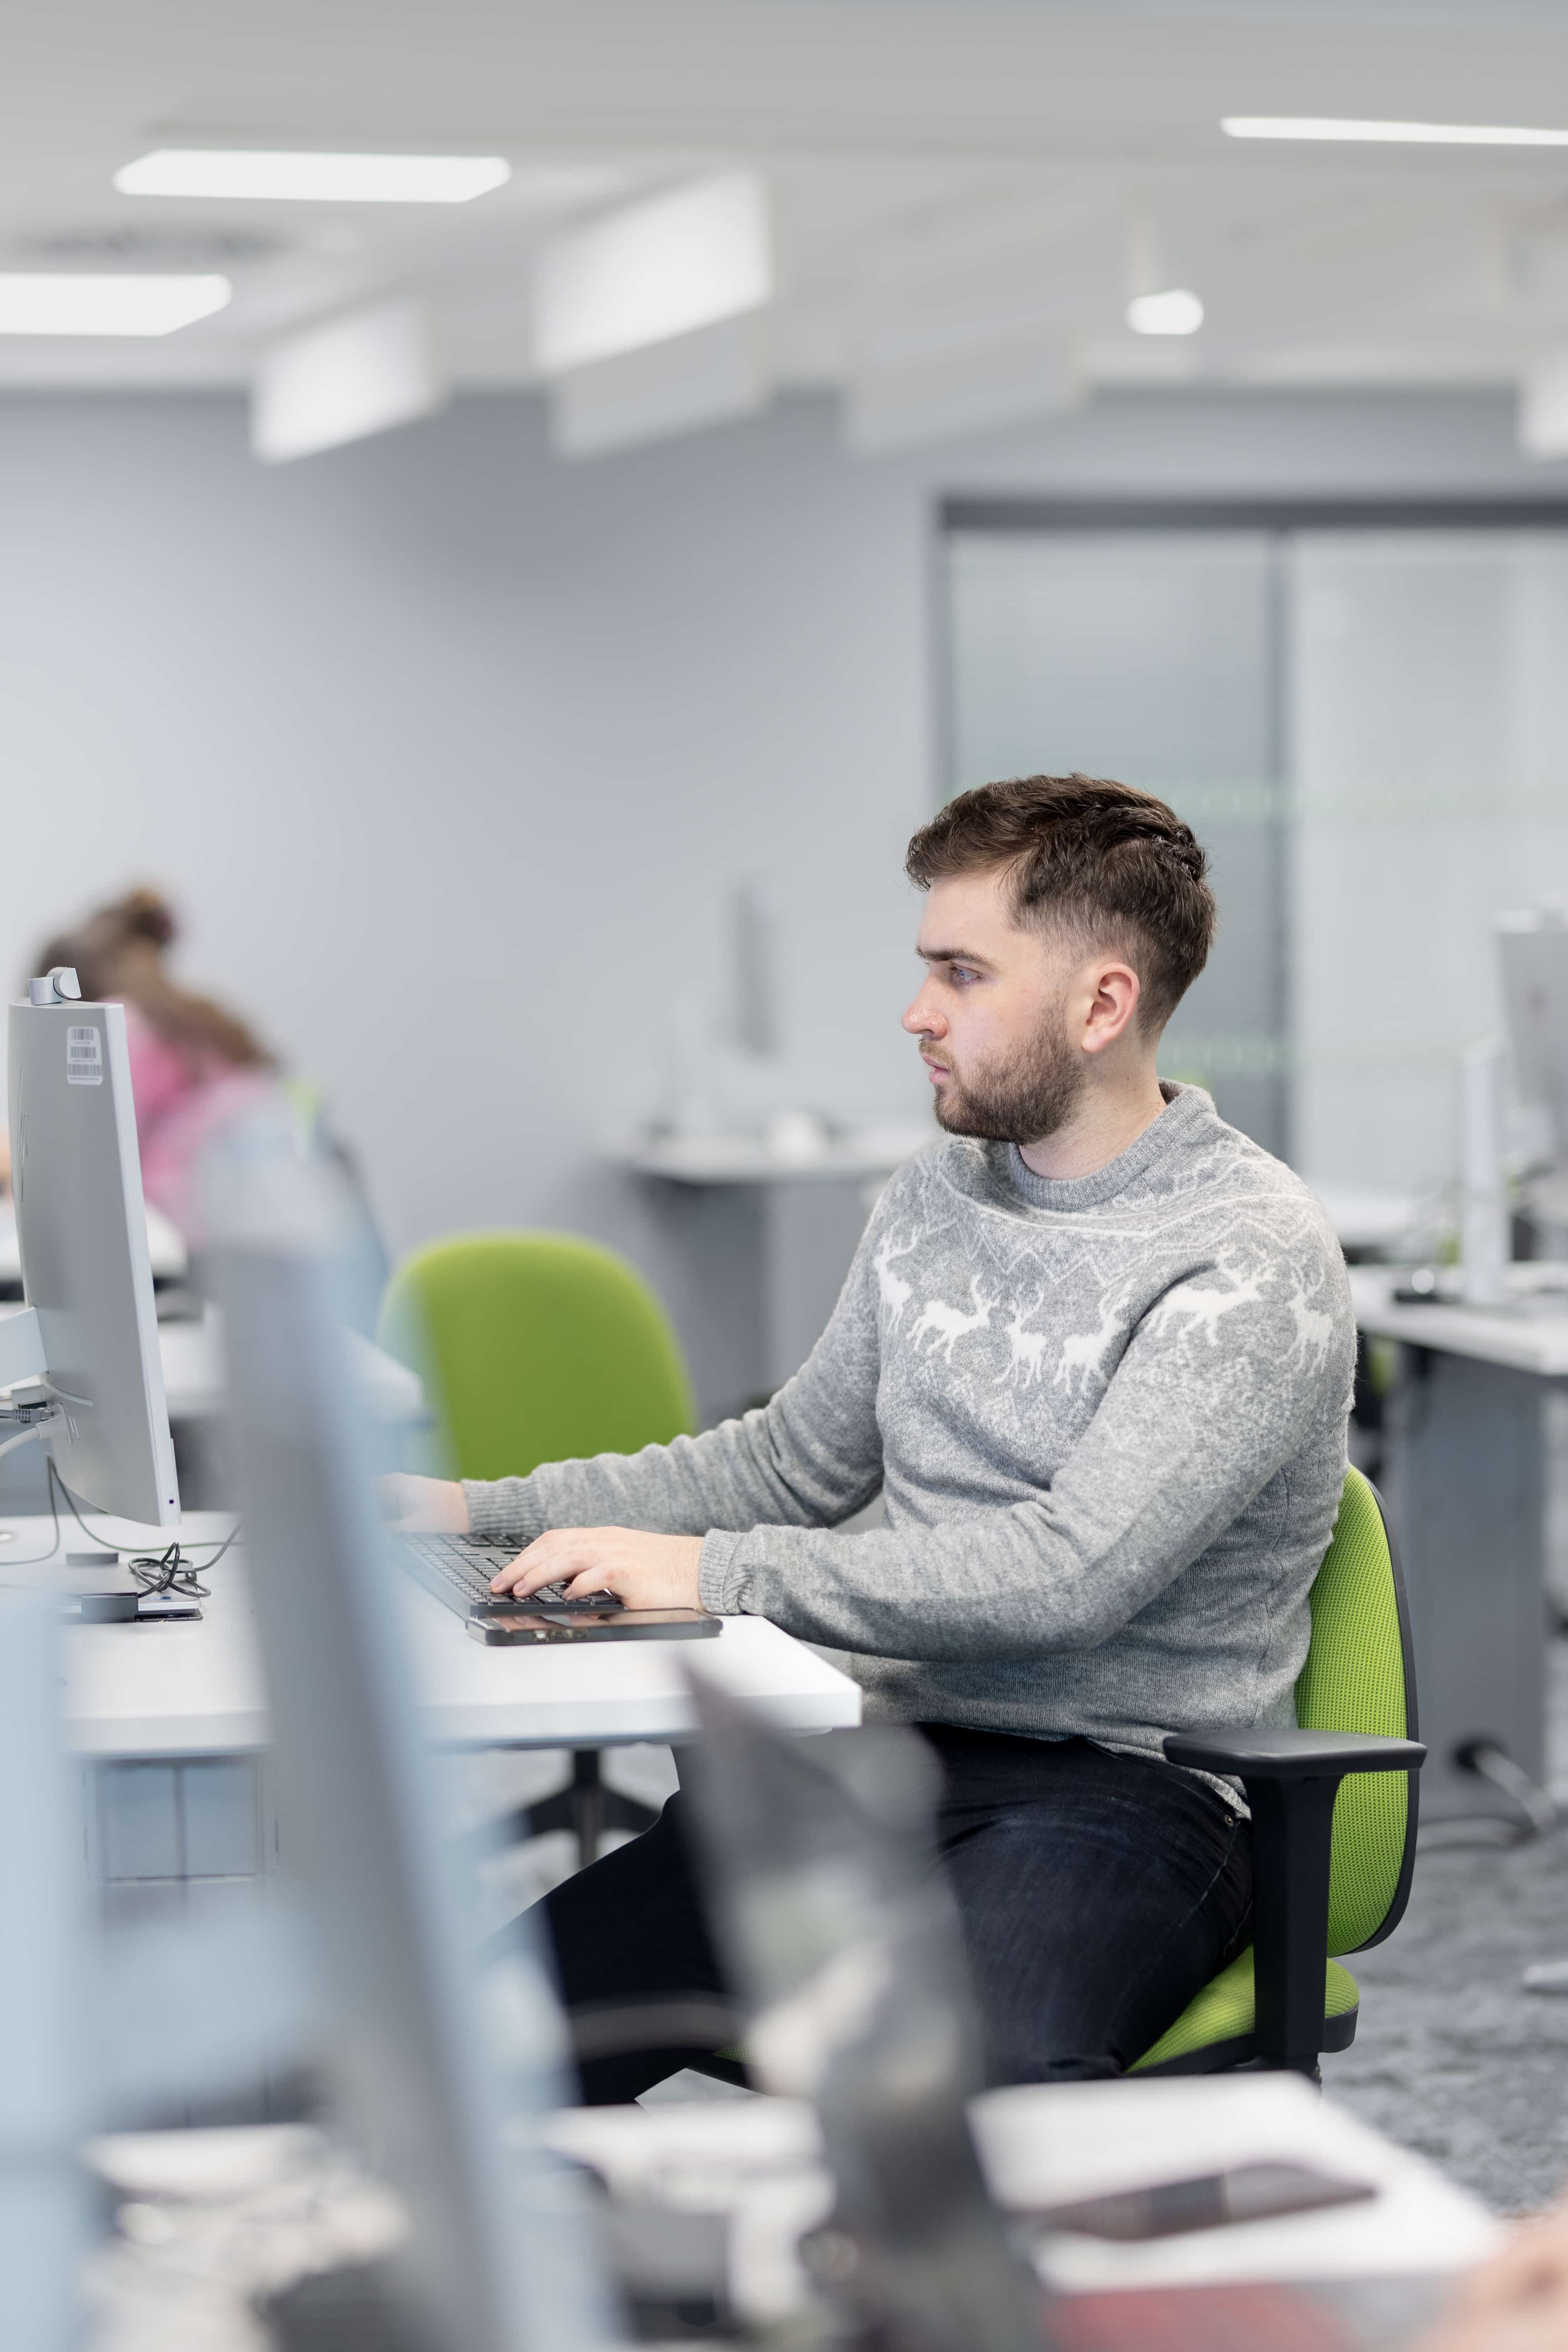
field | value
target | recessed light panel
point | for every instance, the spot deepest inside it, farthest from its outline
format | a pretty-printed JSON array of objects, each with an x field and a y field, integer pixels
[
  {"x": 653, "y": 271},
  {"x": 339, "y": 382},
  {"x": 286, "y": 177},
  {"x": 1388, "y": 134},
  {"x": 72, "y": 302},
  {"x": 1177, "y": 312}
]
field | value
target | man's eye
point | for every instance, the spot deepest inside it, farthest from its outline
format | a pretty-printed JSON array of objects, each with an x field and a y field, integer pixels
[{"x": 962, "y": 974}]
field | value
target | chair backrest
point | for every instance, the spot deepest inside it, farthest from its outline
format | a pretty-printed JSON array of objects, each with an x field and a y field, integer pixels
[
  {"x": 536, "y": 1347},
  {"x": 1360, "y": 1676}
]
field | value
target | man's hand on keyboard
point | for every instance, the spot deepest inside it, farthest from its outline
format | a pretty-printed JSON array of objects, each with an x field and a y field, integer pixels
[
  {"x": 643, "y": 1571},
  {"x": 424, "y": 1506}
]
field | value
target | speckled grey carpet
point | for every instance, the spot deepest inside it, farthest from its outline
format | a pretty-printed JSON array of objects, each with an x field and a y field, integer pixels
[{"x": 1453, "y": 2056}]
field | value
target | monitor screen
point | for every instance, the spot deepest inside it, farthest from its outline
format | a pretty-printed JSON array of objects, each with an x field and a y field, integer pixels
[{"x": 82, "y": 1237}]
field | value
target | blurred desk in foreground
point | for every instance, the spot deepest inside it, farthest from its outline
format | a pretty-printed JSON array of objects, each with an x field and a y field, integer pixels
[
  {"x": 1375, "y": 2269},
  {"x": 1465, "y": 1477},
  {"x": 234, "y": 2206},
  {"x": 778, "y": 1231}
]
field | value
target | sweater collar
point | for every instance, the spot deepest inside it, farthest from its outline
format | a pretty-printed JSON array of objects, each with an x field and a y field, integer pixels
[{"x": 1187, "y": 1108}]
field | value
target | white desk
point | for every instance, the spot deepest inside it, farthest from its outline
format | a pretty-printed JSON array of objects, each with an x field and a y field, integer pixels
[
  {"x": 165, "y": 1248},
  {"x": 1465, "y": 1474},
  {"x": 1527, "y": 1335},
  {"x": 752, "y": 1159},
  {"x": 236, "y": 2204},
  {"x": 164, "y": 1691},
  {"x": 1385, "y": 2258},
  {"x": 195, "y": 1380},
  {"x": 780, "y": 1227},
  {"x": 1372, "y": 1222}
]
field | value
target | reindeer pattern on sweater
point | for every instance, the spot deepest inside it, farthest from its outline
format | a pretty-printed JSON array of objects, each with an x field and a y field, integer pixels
[{"x": 1107, "y": 1418}]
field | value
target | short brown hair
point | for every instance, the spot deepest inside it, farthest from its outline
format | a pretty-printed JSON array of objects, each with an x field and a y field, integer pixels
[{"x": 1113, "y": 863}]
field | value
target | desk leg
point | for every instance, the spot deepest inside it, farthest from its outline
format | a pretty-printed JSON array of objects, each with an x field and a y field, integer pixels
[{"x": 1465, "y": 1471}]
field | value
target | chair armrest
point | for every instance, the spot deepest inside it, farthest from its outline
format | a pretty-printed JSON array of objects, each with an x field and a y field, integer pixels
[
  {"x": 1291, "y": 1779},
  {"x": 1291, "y": 1755}
]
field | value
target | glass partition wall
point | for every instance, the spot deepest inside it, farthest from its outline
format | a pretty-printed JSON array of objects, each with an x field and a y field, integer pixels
[{"x": 1362, "y": 713}]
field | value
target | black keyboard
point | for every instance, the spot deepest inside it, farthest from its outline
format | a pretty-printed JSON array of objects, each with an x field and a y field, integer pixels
[{"x": 458, "y": 1570}]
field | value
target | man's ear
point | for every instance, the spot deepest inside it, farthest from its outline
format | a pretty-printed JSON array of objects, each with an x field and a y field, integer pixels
[{"x": 1115, "y": 991}]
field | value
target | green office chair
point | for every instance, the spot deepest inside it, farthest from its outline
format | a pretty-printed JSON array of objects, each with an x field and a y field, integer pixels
[
  {"x": 540, "y": 1348},
  {"x": 1328, "y": 1876}
]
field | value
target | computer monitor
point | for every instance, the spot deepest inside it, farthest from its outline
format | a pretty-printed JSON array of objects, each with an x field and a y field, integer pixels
[
  {"x": 1533, "y": 948},
  {"x": 81, "y": 1230},
  {"x": 427, "y": 2051}
]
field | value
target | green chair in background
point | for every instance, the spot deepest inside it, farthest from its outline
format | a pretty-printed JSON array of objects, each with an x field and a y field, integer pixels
[
  {"x": 1334, "y": 1812},
  {"x": 539, "y": 1347}
]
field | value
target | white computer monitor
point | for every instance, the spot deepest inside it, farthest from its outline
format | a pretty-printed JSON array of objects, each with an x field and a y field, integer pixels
[
  {"x": 87, "y": 1280},
  {"x": 495, "y": 2259},
  {"x": 1533, "y": 948}
]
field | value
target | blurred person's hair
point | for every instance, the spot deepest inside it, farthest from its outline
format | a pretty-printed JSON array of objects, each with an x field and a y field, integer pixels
[
  {"x": 117, "y": 952},
  {"x": 1113, "y": 865}
]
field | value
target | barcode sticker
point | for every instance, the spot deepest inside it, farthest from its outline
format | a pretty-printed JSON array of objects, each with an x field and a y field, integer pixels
[{"x": 84, "y": 1058}]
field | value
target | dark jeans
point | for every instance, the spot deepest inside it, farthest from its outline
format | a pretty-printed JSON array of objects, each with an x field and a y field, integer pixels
[{"x": 1098, "y": 1894}]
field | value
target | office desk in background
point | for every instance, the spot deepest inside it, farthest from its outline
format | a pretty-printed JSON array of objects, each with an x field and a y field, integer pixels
[
  {"x": 770, "y": 1236},
  {"x": 1464, "y": 1479},
  {"x": 165, "y": 1248}
]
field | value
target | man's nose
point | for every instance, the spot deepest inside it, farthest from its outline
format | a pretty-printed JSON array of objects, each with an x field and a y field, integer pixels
[{"x": 923, "y": 1020}]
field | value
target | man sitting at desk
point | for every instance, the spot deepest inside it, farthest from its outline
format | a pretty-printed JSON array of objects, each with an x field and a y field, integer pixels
[{"x": 1096, "y": 1353}]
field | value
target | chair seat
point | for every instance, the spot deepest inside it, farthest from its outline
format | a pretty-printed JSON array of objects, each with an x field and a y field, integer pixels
[{"x": 1215, "y": 2029}]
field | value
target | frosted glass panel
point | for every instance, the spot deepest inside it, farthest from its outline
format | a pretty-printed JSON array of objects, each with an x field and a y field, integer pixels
[
  {"x": 1147, "y": 655},
  {"x": 1429, "y": 751}
]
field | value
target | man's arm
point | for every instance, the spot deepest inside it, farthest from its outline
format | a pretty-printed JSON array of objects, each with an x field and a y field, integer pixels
[
  {"x": 810, "y": 1457},
  {"x": 1202, "y": 1412}
]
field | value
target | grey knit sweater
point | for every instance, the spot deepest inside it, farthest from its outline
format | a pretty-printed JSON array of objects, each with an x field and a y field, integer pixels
[{"x": 1108, "y": 1419}]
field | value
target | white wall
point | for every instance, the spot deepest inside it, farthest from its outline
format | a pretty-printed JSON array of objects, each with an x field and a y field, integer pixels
[{"x": 449, "y": 750}]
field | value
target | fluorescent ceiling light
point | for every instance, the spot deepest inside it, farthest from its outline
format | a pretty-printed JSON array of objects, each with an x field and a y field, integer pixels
[
  {"x": 62, "y": 302},
  {"x": 223, "y": 172},
  {"x": 657, "y": 269},
  {"x": 676, "y": 386},
  {"x": 339, "y": 383},
  {"x": 1177, "y": 312},
  {"x": 1387, "y": 134}
]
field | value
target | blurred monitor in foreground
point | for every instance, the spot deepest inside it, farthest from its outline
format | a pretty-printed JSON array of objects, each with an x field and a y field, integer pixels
[
  {"x": 842, "y": 1934},
  {"x": 440, "y": 2070},
  {"x": 88, "y": 1334}
]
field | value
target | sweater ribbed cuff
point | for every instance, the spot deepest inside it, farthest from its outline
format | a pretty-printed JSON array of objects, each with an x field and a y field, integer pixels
[
  {"x": 720, "y": 1582},
  {"x": 503, "y": 1508}
]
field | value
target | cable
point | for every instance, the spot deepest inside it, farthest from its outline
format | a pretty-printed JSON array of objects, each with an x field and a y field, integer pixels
[
  {"x": 26, "y": 1436},
  {"x": 173, "y": 1570}
]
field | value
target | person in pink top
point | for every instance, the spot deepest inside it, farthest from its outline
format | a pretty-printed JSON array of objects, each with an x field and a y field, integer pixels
[{"x": 193, "y": 1064}]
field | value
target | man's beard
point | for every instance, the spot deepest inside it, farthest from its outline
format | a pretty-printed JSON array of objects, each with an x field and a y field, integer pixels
[{"x": 1023, "y": 1103}]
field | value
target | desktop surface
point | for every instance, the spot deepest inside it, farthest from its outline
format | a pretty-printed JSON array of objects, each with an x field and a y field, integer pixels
[
  {"x": 1528, "y": 1332},
  {"x": 172, "y": 1690}
]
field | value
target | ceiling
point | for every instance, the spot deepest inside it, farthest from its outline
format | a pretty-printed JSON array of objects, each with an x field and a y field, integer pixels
[{"x": 950, "y": 181}]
